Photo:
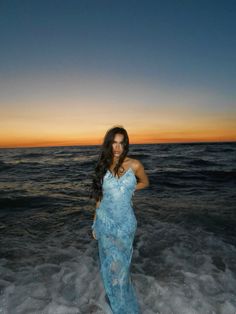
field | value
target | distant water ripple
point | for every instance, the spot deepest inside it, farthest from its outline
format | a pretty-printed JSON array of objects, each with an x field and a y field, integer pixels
[{"x": 185, "y": 247}]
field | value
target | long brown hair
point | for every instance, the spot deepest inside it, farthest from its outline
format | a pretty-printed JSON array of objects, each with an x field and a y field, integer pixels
[{"x": 105, "y": 160}]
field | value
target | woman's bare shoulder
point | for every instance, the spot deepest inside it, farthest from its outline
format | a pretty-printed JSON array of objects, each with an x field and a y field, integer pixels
[{"x": 135, "y": 164}]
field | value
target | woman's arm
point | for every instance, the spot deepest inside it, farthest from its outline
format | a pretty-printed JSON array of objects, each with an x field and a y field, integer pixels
[
  {"x": 97, "y": 205},
  {"x": 143, "y": 180},
  {"x": 94, "y": 218}
]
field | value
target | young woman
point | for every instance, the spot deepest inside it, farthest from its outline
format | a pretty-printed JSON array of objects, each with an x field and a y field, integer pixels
[{"x": 116, "y": 178}]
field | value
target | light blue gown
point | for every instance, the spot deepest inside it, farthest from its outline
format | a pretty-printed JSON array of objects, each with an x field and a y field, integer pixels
[{"x": 115, "y": 227}]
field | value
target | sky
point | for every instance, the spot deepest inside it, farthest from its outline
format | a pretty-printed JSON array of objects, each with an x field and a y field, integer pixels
[{"x": 71, "y": 70}]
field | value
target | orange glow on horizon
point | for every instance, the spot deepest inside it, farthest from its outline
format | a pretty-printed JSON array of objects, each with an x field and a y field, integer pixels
[{"x": 44, "y": 127}]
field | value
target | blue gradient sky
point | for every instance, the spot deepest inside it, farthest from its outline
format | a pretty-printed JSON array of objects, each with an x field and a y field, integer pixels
[{"x": 166, "y": 70}]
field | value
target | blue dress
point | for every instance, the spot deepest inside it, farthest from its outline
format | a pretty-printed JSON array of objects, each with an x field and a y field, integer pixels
[{"x": 114, "y": 226}]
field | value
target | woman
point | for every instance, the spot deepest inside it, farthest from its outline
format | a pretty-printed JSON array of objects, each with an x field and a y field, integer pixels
[{"x": 117, "y": 176}]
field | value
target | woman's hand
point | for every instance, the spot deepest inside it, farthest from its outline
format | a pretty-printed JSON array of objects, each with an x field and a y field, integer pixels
[
  {"x": 140, "y": 173},
  {"x": 94, "y": 235},
  {"x": 94, "y": 218}
]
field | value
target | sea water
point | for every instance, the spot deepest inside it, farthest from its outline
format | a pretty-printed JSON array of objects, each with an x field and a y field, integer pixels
[{"x": 184, "y": 258}]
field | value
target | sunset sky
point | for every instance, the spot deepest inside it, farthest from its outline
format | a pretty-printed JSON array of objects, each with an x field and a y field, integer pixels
[{"x": 70, "y": 70}]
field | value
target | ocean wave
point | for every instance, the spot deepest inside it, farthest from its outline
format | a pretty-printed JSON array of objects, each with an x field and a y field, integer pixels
[
  {"x": 219, "y": 175},
  {"x": 5, "y": 166},
  {"x": 31, "y": 155},
  {"x": 27, "y": 202},
  {"x": 201, "y": 163}
]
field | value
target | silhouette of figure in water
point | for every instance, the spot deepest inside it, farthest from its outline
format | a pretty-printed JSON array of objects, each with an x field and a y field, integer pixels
[{"x": 117, "y": 176}]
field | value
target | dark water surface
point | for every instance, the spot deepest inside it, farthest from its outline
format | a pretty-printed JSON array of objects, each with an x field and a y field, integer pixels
[{"x": 184, "y": 259}]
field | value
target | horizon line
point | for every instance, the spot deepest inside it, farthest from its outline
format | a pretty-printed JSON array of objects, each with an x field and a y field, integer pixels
[{"x": 89, "y": 145}]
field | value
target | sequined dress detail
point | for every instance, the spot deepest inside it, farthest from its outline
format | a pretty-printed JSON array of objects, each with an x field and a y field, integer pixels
[{"x": 115, "y": 226}]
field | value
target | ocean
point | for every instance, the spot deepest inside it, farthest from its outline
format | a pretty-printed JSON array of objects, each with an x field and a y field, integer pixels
[{"x": 184, "y": 258}]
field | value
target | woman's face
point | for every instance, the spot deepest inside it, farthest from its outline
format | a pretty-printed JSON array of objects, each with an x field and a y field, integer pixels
[{"x": 118, "y": 145}]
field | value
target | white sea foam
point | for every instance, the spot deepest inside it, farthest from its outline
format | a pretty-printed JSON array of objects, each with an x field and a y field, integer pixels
[
  {"x": 51, "y": 264},
  {"x": 174, "y": 271}
]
